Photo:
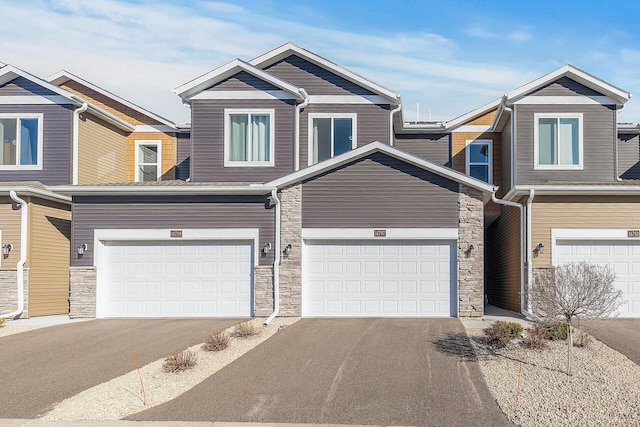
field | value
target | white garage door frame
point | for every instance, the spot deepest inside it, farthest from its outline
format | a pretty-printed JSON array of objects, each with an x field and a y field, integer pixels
[
  {"x": 585, "y": 235},
  {"x": 102, "y": 236},
  {"x": 445, "y": 235}
]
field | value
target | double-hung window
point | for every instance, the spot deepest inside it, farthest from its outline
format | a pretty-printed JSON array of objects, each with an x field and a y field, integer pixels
[
  {"x": 148, "y": 161},
  {"x": 558, "y": 141},
  {"x": 330, "y": 135},
  {"x": 478, "y": 155},
  {"x": 21, "y": 141},
  {"x": 249, "y": 138}
]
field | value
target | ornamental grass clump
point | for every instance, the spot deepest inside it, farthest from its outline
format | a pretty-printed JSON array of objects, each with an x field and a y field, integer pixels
[
  {"x": 246, "y": 329},
  {"x": 180, "y": 361},
  {"x": 216, "y": 341}
]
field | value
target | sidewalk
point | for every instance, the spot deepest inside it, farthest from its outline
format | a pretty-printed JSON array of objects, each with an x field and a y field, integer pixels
[
  {"x": 43, "y": 321},
  {"x": 493, "y": 313}
]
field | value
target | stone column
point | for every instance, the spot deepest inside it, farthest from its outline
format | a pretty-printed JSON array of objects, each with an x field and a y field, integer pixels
[
  {"x": 263, "y": 290},
  {"x": 82, "y": 292},
  {"x": 470, "y": 261},
  {"x": 291, "y": 266},
  {"x": 9, "y": 291}
]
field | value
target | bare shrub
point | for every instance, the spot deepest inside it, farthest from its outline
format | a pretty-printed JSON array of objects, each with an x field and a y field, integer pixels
[
  {"x": 535, "y": 338},
  {"x": 497, "y": 335},
  {"x": 216, "y": 341},
  {"x": 582, "y": 340},
  {"x": 180, "y": 361},
  {"x": 2, "y": 322},
  {"x": 246, "y": 329},
  {"x": 574, "y": 290}
]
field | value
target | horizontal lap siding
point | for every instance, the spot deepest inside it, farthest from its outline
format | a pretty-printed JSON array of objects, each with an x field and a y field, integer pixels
[
  {"x": 579, "y": 212},
  {"x": 183, "y": 163},
  {"x": 57, "y": 128},
  {"x": 629, "y": 156},
  {"x": 243, "y": 81},
  {"x": 90, "y": 213},
  {"x": 207, "y": 134},
  {"x": 101, "y": 152},
  {"x": 565, "y": 86},
  {"x": 505, "y": 166},
  {"x": 599, "y": 135},
  {"x": 372, "y": 123},
  {"x": 10, "y": 226},
  {"x": 379, "y": 191},
  {"x": 49, "y": 259},
  {"x": 435, "y": 148},
  {"x": 315, "y": 80},
  {"x": 21, "y": 87}
]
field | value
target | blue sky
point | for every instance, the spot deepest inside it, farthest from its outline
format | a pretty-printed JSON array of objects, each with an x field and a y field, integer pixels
[{"x": 450, "y": 57}]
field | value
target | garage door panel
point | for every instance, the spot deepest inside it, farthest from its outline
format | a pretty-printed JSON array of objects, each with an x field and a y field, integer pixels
[{"x": 399, "y": 279}]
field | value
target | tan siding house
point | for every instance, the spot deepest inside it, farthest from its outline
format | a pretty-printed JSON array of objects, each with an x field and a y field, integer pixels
[{"x": 101, "y": 152}]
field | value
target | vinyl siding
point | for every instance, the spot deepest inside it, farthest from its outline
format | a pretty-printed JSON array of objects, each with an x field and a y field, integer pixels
[
  {"x": 207, "y": 132},
  {"x": 50, "y": 233},
  {"x": 505, "y": 164},
  {"x": 485, "y": 119},
  {"x": 629, "y": 156},
  {"x": 599, "y": 135},
  {"x": 10, "y": 227},
  {"x": 579, "y": 212},
  {"x": 24, "y": 87},
  {"x": 435, "y": 148},
  {"x": 502, "y": 255},
  {"x": 57, "y": 129},
  {"x": 372, "y": 123},
  {"x": 169, "y": 153},
  {"x": 243, "y": 81},
  {"x": 314, "y": 79},
  {"x": 565, "y": 86},
  {"x": 379, "y": 191},
  {"x": 101, "y": 152},
  {"x": 183, "y": 163},
  {"x": 90, "y": 213}
]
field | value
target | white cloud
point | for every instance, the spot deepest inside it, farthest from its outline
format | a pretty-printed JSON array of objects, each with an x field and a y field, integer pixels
[{"x": 520, "y": 36}]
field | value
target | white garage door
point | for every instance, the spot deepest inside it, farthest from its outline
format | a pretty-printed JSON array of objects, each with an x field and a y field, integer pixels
[
  {"x": 176, "y": 279},
  {"x": 623, "y": 257},
  {"x": 371, "y": 279}
]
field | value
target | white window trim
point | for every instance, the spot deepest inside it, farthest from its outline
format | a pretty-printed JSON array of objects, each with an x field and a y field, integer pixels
[
  {"x": 354, "y": 134},
  {"x": 40, "y": 118},
  {"x": 158, "y": 144},
  {"x": 488, "y": 142},
  {"x": 536, "y": 149},
  {"x": 227, "y": 137}
]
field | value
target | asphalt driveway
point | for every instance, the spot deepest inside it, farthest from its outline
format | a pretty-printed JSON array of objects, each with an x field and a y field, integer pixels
[
  {"x": 42, "y": 367},
  {"x": 347, "y": 371},
  {"x": 622, "y": 335}
]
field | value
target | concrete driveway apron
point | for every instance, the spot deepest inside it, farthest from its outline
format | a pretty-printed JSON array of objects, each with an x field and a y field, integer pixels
[
  {"x": 347, "y": 371},
  {"x": 42, "y": 367},
  {"x": 622, "y": 335}
]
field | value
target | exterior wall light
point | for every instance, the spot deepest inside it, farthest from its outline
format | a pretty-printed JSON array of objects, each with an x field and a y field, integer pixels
[
  {"x": 80, "y": 249},
  {"x": 468, "y": 252},
  {"x": 287, "y": 250},
  {"x": 539, "y": 248},
  {"x": 266, "y": 248},
  {"x": 6, "y": 249}
]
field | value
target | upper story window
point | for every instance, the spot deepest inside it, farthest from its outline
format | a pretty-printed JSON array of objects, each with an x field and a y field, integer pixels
[
  {"x": 21, "y": 141},
  {"x": 330, "y": 135},
  {"x": 148, "y": 161},
  {"x": 558, "y": 141},
  {"x": 479, "y": 157},
  {"x": 249, "y": 138}
]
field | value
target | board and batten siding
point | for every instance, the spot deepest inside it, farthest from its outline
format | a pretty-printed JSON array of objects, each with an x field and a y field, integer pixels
[
  {"x": 629, "y": 156},
  {"x": 379, "y": 191},
  {"x": 10, "y": 226},
  {"x": 314, "y": 79},
  {"x": 50, "y": 232},
  {"x": 171, "y": 212},
  {"x": 101, "y": 151},
  {"x": 24, "y": 87},
  {"x": 503, "y": 264},
  {"x": 433, "y": 147},
  {"x": 565, "y": 86},
  {"x": 57, "y": 130},
  {"x": 579, "y": 212},
  {"x": 207, "y": 133},
  {"x": 372, "y": 124},
  {"x": 599, "y": 137},
  {"x": 183, "y": 161},
  {"x": 243, "y": 81}
]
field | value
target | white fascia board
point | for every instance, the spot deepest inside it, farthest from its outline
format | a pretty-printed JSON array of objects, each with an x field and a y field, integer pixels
[
  {"x": 116, "y": 121},
  {"x": 35, "y": 100},
  {"x": 155, "y": 128},
  {"x": 348, "y": 99},
  {"x": 369, "y": 234},
  {"x": 626, "y": 128},
  {"x": 9, "y": 72},
  {"x": 473, "y": 128},
  {"x": 377, "y": 146},
  {"x": 576, "y": 74},
  {"x": 36, "y": 192},
  {"x": 197, "y": 190},
  {"x": 566, "y": 100},
  {"x": 288, "y": 49},
  {"x": 408, "y": 127},
  {"x": 244, "y": 94},
  {"x": 480, "y": 111},
  {"x": 63, "y": 76},
  {"x": 199, "y": 84},
  {"x": 568, "y": 190}
]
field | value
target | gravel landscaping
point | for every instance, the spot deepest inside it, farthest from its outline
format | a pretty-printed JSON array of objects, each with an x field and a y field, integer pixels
[
  {"x": 10, "y": 330},
  {"x": 123, "y": 396},
  {"x": 533, "y": 389}
]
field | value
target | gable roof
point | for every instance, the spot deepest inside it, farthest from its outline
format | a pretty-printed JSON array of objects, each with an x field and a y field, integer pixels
[
  {"x": 63, "y": 76},
  {"x": 472, "y": 115},
  {"x": 205, "y": 81},
  {"x": 289, "y": 49},
  {"x": 379, "y": 147}
]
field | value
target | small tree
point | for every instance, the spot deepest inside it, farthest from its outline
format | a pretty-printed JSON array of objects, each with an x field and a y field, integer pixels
[{"x": 574, "y": 290}]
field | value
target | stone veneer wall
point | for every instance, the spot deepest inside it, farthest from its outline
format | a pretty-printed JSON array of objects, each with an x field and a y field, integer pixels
[
  {"x": 291, "y": 266},
  {"x": 263, "y": 290},
  {"x": 470, "y": 263},
  {"x": 82, "y": 292},
  {"x": 9, "y": 292}
]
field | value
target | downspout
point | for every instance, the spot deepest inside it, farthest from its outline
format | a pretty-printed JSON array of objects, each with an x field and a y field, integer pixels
[
  {"x": 513, "y": 140},
  {"x": 276, "y": 261},
  {"x": 523, "y": 307},
  {"x": 615, "y": 152},
  {"x": 296, "y": 145},
  {"x": 76, "y": 139},
  {"x": 391, "y": 113},
  {"x": 529, "y": 250},
  {"x": 23, "y": 255}
]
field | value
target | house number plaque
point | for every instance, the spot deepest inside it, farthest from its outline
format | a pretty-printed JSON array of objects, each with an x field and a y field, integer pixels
[
  {"x": 633, "y": 233},
  {"x": 379, "y": 233},
  {"x": 176, "y": 233}
]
